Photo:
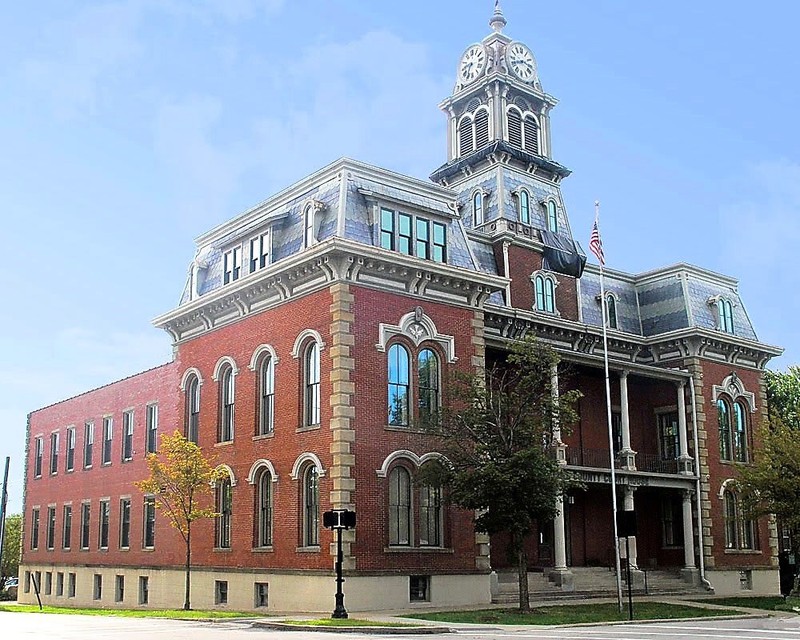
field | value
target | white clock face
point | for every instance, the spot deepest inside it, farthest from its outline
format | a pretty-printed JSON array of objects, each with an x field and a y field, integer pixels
[
  {"x": 472, "y": 63},
  {"x": 521, "y": 62}
]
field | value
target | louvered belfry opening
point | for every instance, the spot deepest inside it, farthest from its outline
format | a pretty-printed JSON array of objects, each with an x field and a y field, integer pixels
[
  {"x": 514, "y": 118},
  {"x": 466, "y": 139},
  {"x": 531, "y": 134},
  {"x": 481, "y": 128}
]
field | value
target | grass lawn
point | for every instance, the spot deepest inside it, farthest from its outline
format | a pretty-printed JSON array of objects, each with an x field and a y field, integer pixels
[
  {"x": 575, "y": 614},
  {"x": 346, "y": 622},
  {"x": 768, "y": 603},
  {"x": 174, "y": 614}
]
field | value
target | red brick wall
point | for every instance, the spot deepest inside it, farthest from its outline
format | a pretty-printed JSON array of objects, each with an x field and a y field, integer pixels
[{"x": 522, "y": 263}]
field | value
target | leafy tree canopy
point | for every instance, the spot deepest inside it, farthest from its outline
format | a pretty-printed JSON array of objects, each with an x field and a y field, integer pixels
[{"x": 11, "y": 546}]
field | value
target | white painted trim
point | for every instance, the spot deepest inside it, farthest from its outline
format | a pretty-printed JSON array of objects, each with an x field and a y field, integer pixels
[
  {"x": 304, "y": 335},
  {"x": 419, "y": 327},
  {"x": 733, "y": 387},
  {"x": 191, "y": 371},
  {"x": 230, "y": 473},
  {"x": 302, "y": 459},
  {"x": 223, "y": 361},
  {"x": 260, "y": 350},
  {"x": 257, "y": 466},
  {"x": 405, "y": 454},
  {"x": 726, "y": 485}
]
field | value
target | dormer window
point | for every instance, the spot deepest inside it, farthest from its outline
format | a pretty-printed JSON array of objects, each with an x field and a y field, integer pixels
[
  {"x": 524, "y": 206},
  {"x": 232, "y": 265},
  {"x": 723, "y": 311},
  {"x": 308, "y": 226},
  {"x": 477, "y": 208},
  {"x": 611, "y": 311},
  {"x": 544, "y": 286},
  {"x": 260, "y": 250},
  {"x": 552, "y": 216},
  {"x": 413, "y": 235}
]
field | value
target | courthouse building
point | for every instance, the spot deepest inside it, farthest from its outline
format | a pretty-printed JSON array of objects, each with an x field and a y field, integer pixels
[{"x": 317, "y": 330}]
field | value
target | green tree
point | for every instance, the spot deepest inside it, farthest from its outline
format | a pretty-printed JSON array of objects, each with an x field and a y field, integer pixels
[
  {"x": 783, "y": 395},
  {"x": 182, "y": 480},
  {"x": 498, "y": 431},
  {"x": 9, "y": 566}
]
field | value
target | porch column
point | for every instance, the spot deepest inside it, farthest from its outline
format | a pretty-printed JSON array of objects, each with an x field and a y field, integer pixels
[
  {"x": 561, "y": 575},
  {"x": 627, "y": 455},
  {"x": 684, "y": 459},
  {"x": 689, "y": 571}
]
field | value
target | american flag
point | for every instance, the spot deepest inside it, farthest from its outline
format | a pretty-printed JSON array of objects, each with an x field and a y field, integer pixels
[{"x": 596, "y": 244}]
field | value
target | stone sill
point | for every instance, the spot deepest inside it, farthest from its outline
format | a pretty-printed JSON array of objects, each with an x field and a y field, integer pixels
[{"x": 443, "y": 550}]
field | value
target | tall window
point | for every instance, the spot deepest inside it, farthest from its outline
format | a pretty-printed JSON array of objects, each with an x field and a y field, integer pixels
[
  {"x": 404, "y": 234},
  {"x": 193, "y": 409},
  {"x": 51, "y": 527},
  {"x": 413, "y": 235},
  {"x": 725, "y": 315},
  {"x": 466, "y": 136},
  {"x": 423, "y": 239},
  {"x": 310, "y": 506},
  {"x": 86, "y": 512},
  {"x": 428, "y": 375},
  {"x": 66, "y": 527},
  {"x": 311, "y": 382},
  {"x": 671, "y": 522},
  {"x": 430, "y": 516},
  {"x": 398, "y": 386},
  {"x": 38, "y": 456},
  {"x": 264, "y": 509},
  {"x": 105, "y": 512},
  {"x": 308, "y": 226},
  {"x": 127, "y": 436},
  {"x": 54, "y": 447},
  {"x": 70, "y": 449},
  {"x": 477, "y": 208},
  {"x": 149, "y": 523},
  {"x": 545, "y": 293},
  {"x": 524, "y": 201},
  {"x": 387, "y": 229},
  {"x": 226, "y": 400},
  {"x": 151, "y": 427},
  {"x": 124, "y": 523},
  {"x": 739, "y": 530},
  {"x": 224, "y": 505},
  {"x": 232, "y": 265},
  {"x": 733, "y": 439},
  {"x": 266, "y": 405},
  {"x": 35, "y": 529},
  {"x": 668, "y": 436},
  {"x": 88, "y": 444},
  {"x": 108, "y": 434},
  {"x": 611, "y": 311},
  {"x": 552, "y": 216},
  {"x": 400, "y": 506},
  {"x": 260, "y": 249}
]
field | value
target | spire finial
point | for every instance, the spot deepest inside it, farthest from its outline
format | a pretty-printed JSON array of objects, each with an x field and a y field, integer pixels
[{"x": 498, "y": 20}]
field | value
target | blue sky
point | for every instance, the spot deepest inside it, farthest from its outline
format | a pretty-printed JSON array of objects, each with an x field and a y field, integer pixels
[{"x": 129, "y": 127}]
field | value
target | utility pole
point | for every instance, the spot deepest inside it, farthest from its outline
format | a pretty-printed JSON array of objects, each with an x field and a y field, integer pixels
[{"x": 3, "y": 503}]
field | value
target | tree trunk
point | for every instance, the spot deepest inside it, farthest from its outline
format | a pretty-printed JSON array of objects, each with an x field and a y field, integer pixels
[
  {"x": 518, "y": 541},
  {"x": 186, "y": 603}
]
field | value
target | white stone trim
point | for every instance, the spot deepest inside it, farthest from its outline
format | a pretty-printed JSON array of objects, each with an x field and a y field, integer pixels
[
  {"x": 304, "y": 335},
  {"x": 405, "y": 454},
  {"x": 260, "y": 351},
  {"x": 728, "y": 485},
  {"x": 230, "y": 472},
  {"x": 257, "y": 466},
  {"x": 223, "y": 361},
  {"x": 418, "y": 327},
  {"x": 733, "y": 387},
  {"x": 191, "y": 371},
  {"x": 302, "y": 459}
]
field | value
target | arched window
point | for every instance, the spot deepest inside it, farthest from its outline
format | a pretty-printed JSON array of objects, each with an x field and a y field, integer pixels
[
  {"x": 311, "y": 377},
  {"x": 310, "y": 506},
  {"x": 611, "y": 311},
  {"x": 430, "y": 516},
  {"x": 266, "y": 396},
  {"x": 739, "y": 434},
  {"x": 725, "y": 315},
  {"x": 544, "y": 288},
  {"x": 514, "y": 119},
  {"x": 739, "y": 530},
  {"x": 264, "y": 509},
  {"x": 531, "y": 129},
  {"x": 224, "y": 507},
  {"x": 552, "y": 216},
  {"x": 192, "y": 428},
  {"x": 524, "y": 207},
  {"x": 466, "y": 138},
  {"x": 399, "y": 384},
  {"x": 308, "y": 226},
  {"x": 400, "y": 507},
  {"x": 481, "y": 128},
  {"x": 724, "y": 418},
  {"x": 477, "y": 208},
  {"x": 226, "y": 402},
  {"x": 428, "y": 375}
]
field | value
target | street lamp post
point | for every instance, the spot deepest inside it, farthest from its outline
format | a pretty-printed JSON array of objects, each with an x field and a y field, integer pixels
[{"x": 339, "y": 520}]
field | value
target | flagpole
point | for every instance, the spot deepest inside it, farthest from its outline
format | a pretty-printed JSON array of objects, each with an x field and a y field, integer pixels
[{"x": 608, "y": 417}]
